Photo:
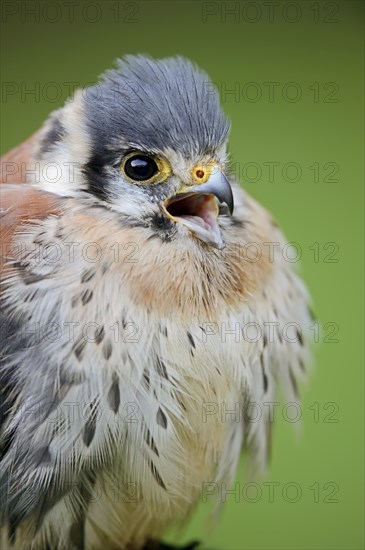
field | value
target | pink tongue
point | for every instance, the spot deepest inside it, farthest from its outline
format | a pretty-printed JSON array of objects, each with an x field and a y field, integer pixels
[
  {"x": 204, "y": 227},
  {"x": 197, "y": 221},
  {"x": 208, "y": 233}
]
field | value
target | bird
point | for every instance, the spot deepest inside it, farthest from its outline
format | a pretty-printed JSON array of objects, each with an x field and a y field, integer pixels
[{"x": 148, "y": 315}]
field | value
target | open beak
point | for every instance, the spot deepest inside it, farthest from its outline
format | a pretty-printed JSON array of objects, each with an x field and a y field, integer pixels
[{"x": 198, "y": 208}]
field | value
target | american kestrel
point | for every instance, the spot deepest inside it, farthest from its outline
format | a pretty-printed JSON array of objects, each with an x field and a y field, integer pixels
[{"x": 148, "y": 314}]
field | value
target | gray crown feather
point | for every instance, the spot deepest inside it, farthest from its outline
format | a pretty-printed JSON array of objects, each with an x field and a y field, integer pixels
[{"x": 156, "y": 104}]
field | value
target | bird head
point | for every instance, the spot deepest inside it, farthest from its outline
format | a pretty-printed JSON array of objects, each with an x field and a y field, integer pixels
[{"x": 149, "y": 142}]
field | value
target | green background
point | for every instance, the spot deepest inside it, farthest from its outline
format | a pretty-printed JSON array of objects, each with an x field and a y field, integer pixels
[{"x": 325, "y": 125}]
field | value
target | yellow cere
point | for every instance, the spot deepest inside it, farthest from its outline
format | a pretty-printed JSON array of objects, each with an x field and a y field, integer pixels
[{"x": 201, "y": 172}]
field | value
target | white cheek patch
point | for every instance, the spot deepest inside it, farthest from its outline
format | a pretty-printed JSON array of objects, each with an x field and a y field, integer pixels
[
  {"x": 59, "y": 170},
  {"x": 76, "y": 140}
]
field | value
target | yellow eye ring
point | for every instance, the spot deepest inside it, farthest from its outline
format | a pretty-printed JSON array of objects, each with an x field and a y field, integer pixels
[{"x": 142, "y": 168}]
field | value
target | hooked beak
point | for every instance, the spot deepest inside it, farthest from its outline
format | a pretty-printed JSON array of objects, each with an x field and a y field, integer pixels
[
  {"x": 198, "y": 208},
  {"x": 219, "y": 186}
]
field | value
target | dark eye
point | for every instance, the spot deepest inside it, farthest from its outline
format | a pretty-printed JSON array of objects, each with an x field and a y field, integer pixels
[{"x": 140, "y": 168}]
